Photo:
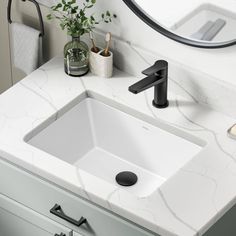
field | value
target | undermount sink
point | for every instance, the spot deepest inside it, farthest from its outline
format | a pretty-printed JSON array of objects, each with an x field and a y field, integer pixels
[{"x": 104, "y": 141}]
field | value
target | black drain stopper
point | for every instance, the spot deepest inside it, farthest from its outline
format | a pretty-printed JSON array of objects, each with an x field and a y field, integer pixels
[{"x": 126, "y": 178}]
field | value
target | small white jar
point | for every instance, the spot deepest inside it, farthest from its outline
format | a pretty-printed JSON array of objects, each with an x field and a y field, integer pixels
[{"x": 100, "y": 65}]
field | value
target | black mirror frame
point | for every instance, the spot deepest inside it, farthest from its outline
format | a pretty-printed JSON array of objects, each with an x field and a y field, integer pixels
[{"x": 199, "y": 44}]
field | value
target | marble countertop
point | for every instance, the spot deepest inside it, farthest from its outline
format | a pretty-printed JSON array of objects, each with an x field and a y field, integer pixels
[{"x": 187, "y": 204}]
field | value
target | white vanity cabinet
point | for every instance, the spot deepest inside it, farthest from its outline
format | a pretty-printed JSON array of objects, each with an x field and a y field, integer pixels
[
  {"x": 48, "y": 207},
  {"x": 18, "y": 220}
]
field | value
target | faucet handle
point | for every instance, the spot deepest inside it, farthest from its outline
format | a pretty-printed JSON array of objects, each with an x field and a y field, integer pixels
[{"x": 158, "y": 66}]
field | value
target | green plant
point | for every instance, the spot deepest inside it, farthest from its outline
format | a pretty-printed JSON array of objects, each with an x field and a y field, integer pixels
[{"x": 74, "y": 18}]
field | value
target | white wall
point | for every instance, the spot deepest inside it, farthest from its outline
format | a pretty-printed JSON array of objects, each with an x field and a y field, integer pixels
[{"x": 219, "y": 63}]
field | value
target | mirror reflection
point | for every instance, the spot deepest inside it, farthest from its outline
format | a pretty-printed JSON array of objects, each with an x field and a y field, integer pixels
[{"x": 200, "y": 20}]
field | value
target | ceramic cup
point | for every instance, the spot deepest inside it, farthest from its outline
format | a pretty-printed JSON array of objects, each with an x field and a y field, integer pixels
[{"x": 100, "y": 65}]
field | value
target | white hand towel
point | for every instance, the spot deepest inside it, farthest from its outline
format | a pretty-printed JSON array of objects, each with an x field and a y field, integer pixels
[
  {"x": 48, "y": 3},
  {"x": 26, "y": 47}
]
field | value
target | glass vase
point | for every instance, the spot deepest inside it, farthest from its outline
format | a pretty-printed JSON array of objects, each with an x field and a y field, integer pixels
[{"x": 76, "y": 57}]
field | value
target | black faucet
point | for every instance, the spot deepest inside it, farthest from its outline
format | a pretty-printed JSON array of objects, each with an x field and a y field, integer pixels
[{"x": 157, "y": 76}]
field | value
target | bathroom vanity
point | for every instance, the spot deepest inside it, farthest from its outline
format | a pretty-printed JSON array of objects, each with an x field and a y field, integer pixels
[
  {"x": 64, "y": 139},
  {"x": 27, "y": 201},
  {"x": 68, "y": 144}
]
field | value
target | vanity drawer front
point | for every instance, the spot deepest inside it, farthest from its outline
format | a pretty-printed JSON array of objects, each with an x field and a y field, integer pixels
[
  {"x": 16, "y": 219},
  {"x": 42, "y": 196}
]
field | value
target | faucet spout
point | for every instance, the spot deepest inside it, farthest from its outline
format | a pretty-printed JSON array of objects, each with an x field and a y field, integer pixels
[
  {"x": 146, "y": 83},
  {"x": 157, "y": 77}
]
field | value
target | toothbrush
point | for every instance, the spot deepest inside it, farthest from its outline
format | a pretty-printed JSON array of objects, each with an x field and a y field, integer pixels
[
  {"x": 94, "y": 48},
  {"x": 108, "y": 40}
]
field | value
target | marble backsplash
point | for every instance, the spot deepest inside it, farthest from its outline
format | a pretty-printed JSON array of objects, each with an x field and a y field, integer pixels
[{"x": 205, "y": 89}]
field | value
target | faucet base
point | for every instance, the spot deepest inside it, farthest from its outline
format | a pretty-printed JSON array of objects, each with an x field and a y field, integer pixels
[{"x": 160, "y": 106}]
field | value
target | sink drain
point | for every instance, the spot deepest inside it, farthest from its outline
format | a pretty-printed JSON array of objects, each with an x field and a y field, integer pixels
[{"x": 126, "y": 178}]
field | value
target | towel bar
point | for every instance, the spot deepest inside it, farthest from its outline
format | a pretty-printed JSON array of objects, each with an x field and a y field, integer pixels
[{"x": 38, "y": 10}]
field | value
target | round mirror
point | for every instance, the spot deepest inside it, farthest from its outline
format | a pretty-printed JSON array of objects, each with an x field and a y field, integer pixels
[{"x": 199, "y": 23}]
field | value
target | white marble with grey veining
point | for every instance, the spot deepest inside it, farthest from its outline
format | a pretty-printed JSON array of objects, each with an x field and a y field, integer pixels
[
  {"x": 219, "y": 93},
  {"x": 186, "y": 205}
]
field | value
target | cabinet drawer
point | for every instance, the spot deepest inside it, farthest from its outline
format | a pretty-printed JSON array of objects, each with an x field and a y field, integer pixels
[
  {"x": 21, "y": 221},
  {"x": 42, "y": 196}
]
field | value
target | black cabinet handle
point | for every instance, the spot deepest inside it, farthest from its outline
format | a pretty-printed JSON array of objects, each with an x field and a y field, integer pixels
[
  {"x": 57, "y": 211},
  {"x": 60, "y": 234}
]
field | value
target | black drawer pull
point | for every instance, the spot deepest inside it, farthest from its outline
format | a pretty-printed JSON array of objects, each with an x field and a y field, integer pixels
[
  {"x": 60, "y": 234},
  {"x": 57, "y": 211}
]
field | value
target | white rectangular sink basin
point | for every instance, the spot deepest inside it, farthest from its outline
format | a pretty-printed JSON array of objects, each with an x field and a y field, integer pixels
[{"x": 104, "y": 141}]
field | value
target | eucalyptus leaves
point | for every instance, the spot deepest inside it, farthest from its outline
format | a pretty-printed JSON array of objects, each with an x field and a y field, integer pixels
[{"x": 74, "y": 18}]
